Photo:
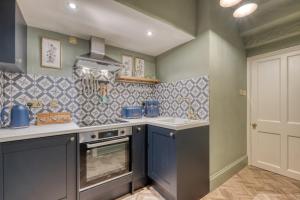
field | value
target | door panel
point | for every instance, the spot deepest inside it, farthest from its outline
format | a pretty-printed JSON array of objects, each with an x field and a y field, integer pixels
[
  {"x": 42, "y": 168},
  {"x": 275, "y": 109},
  {"x": 44, "y": 173},
  {"x": 269, "y": 156},
  {"x": 162, "y": 158},
  {"x": 294, "y": 89},
  {"x": 294, "y": 155},
  {"x": 266, "y": 113},
  {"x": 292, "y": 126},
  {"x": 269, "y": 90}
]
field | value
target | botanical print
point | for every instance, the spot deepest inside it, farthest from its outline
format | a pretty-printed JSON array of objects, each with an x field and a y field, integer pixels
[
  {"x": 51, "y": 53},
  {"x": 127, "y": 66},
  {"x": 139, "y": 67}
]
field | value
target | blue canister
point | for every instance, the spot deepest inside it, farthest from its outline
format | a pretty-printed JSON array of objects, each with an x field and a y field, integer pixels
[
  {"x": 151, "y": 108},
  {"x": 132, "y": 112}
]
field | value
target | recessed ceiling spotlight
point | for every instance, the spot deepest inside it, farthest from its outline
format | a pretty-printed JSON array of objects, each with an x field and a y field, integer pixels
[
  {"x": 245, "y": 10},
  {"x": 229, "y": 3},
  {"x": 72, "y": 5},
  {"x": 149, "y": 33}
]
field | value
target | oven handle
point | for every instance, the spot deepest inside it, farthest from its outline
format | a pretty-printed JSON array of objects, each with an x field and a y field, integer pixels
[{"x": 101, "y": 144}]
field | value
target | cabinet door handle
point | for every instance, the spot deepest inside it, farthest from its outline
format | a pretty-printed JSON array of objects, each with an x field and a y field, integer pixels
[
  {"x": 72, "y": 139},
  {"x": 172, "y": 134}
]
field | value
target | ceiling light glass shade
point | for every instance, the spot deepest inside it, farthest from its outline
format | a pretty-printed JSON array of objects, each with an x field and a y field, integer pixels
[
  {"x": 245, "y": 10},
  {"x": 149, "y": 33},
  {"x": 72, "y": 5},
  {"x": 229, "y": 3}
]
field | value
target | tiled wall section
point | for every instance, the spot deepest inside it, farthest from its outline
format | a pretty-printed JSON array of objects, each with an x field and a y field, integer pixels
[
  {"x": 120, "y": 94},
  {"x": 1, "y": 89},
  {"x": 20, "y": 88},
  {"x": 175, "y": 97}
]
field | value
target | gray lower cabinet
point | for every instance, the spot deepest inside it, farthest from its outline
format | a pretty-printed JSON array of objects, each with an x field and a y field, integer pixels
[
  {"x": 39, "y": 169},
  {"x": 178, "y": 162}
]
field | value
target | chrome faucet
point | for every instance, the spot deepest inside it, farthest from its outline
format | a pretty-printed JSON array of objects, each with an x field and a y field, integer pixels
[{"x": 190, "y": 113}]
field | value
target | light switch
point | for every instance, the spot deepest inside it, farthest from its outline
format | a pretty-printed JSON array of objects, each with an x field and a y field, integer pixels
[{"x": 243, "y": 92}]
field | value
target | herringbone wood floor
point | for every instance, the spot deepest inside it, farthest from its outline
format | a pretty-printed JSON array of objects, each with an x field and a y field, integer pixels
[
  {"x": 251, "y": 183},
  {"x": 256, "y": 184}
]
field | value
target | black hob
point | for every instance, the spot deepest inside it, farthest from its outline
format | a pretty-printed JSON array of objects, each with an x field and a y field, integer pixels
[{"x": 99, "y": 123}]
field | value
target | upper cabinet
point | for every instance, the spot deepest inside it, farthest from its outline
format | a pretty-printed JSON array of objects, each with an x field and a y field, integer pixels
[{"x": 13, "y": 38}]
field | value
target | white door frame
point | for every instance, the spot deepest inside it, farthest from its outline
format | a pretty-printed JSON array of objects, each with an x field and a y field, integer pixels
[{"x": 249, "y": 60}]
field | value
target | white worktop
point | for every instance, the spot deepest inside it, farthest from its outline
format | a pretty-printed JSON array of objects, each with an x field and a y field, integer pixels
[
  {"x": 9, "y": 134},
  {"x": 179, "y": 124}
]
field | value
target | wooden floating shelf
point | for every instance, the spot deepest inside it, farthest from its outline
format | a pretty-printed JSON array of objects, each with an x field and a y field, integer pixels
[{"x": 129, "y": 79}]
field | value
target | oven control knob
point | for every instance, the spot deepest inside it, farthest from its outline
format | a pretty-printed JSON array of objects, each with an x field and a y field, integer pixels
[
  {"x": 122, "y": 132},
  {"x": 93, "y": 136}
]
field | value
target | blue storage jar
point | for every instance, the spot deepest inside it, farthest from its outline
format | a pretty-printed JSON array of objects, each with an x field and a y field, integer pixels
[
  {"x": 132, "y": 112},
  {"x": 151, "y": 108}
]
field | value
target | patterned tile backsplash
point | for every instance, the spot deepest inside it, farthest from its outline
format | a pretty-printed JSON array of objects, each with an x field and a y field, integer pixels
[
  {"x": 21, "y": 88},
  {"x": 1, "y": 89},
  {"x": 175, "y": 97}
]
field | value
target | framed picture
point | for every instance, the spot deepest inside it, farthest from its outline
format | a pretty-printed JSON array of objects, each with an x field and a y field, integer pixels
[
  {"x": 127, "y": 65},
  {"x": 51, "y": 53},
  {"x": 139, "y": 67}
]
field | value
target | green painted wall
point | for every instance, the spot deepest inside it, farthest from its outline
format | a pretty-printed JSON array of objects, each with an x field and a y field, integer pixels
[
  {"x": 191, "y": 59},
  {"x": 218, "y": 51},
  {"x": 70, "y": 52},
  {"x": 186, "y": 61},
  {"x": 150, "y": 62},
  {"x": 179, "y": 13}
]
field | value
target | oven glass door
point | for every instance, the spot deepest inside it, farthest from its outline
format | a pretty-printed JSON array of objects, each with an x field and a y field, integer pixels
[{"x": 103, "y": 161}]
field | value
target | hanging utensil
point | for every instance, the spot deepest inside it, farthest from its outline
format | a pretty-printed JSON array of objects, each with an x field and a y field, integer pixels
[
  {"x": 104, "y": 96},
  {"x": 83, "y": 84},
  {"x": 95, "y": 85}
]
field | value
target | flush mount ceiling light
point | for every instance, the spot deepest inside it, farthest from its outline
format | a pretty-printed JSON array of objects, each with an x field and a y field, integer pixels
[
  {"x": 149, "y": 33},
  {"x": 245, "y": 10},
  {"x": 72, "y": 5},
  {"x": 229, "y": 3}
]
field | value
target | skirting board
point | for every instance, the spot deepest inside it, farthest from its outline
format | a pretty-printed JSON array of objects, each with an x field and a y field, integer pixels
[{"x": 224, "y": 174}]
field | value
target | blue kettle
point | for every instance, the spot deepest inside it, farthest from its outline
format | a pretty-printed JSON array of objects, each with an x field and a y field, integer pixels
[{"x": 20, "y": 116}]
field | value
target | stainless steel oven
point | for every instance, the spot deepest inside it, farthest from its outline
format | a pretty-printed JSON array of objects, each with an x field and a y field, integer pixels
[{"x": 104, "y": 156}]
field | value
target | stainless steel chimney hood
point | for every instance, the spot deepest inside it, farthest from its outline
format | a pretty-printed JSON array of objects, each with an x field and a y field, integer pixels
[{"x": 96, "y": 59}]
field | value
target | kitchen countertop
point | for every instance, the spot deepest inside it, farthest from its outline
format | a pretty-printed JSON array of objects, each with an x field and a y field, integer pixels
[
  {"x": 9, "y": 134},
  {"x": 178, "y": 124}
]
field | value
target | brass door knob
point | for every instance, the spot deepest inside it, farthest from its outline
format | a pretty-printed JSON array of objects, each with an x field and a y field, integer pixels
[{"x": 254, "y": 125}]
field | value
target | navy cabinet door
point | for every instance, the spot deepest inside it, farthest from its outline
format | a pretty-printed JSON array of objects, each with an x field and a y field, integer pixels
[
  {"x": 39, "y": 169},
  {"x": 139, "y": 156},
  {"x": 162, "y": 157}
]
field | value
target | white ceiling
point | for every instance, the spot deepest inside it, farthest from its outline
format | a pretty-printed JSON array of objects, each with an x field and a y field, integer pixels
[{"x": 120, "y": 25}]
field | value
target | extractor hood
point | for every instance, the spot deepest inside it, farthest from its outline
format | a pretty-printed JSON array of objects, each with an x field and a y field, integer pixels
[{"x": 96, "y": 59}]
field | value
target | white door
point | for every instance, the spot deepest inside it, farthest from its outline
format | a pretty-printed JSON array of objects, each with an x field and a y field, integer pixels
[{"x": 275, "y": 113}]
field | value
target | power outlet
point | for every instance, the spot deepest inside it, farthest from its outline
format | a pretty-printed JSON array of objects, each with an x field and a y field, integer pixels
[{"x": 36, "y": 104}]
